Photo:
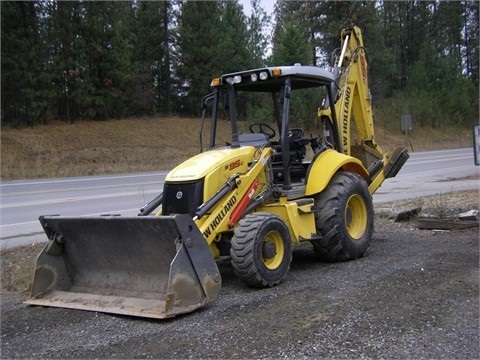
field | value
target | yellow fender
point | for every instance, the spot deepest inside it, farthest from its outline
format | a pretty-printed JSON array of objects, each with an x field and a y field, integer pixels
[{"x": 325, "y": 165}]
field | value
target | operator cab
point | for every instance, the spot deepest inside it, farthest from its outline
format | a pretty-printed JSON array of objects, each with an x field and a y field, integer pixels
[{"x": 286, "y": 99}]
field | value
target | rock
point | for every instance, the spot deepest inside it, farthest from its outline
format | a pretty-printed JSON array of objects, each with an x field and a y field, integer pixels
[
  {"x": 408, "y": 215},
  {"x": 469, "y": 215}
]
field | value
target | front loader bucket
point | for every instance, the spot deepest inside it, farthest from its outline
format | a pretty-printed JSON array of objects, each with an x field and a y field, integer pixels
[{"x": 155, "y": 267}]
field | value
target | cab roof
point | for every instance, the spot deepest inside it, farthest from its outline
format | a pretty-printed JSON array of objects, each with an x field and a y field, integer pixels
[{"x": 272, "y": 78}]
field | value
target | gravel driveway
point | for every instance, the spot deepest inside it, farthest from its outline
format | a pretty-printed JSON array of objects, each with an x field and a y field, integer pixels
[{"x": 414, "y": 295}]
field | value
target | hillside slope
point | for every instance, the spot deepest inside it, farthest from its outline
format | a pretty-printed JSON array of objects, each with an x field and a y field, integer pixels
[{"x": 148, "y": 144}]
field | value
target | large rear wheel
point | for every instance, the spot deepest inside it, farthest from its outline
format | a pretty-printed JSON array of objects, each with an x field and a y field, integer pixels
[
  {"x": 345, "y": 218},
  {"x": 261, "y": 250}
]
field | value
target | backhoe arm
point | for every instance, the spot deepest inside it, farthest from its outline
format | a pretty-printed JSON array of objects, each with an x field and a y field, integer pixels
[
  {"x": 354, "y": 93},
  {"x": 354, "y": 100}
]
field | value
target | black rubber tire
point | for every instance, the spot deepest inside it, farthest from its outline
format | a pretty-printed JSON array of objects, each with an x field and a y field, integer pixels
[
  {"x": 345, "y": 221},
  {"x": 261, "y": 250}
]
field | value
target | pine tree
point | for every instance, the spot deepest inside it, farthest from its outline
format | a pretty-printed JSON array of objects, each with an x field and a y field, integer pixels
[
  {"x": 212, "y": 39},
  {"x": 198, "y": 36},
  {"x": 258, "y": 41},
  {"x": 23, "y": 90},
  {"x": 290, "y": 41},
  {"x": 233, "y": 54},
  {"x": 153, "y": 56}
]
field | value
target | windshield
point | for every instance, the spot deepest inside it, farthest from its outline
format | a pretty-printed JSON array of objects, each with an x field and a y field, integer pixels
[
  {"x": 269, "y": 106},
  {"x": 283, "y": 103}
]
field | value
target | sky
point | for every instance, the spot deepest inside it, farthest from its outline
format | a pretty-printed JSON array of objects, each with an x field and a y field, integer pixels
[{"x": 267, "y": 5}]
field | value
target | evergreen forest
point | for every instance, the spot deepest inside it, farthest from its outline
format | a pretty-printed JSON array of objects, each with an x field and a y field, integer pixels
[{"x": 98, "y": 60}]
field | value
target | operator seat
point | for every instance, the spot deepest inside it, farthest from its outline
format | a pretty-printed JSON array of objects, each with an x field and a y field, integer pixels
[
  {"x": 297, "y": 152},
  {"x": 296, "y": 146}
]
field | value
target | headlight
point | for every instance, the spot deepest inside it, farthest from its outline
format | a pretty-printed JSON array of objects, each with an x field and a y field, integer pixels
[
  {"x": 237, "y": 79},
  {"x": 254, "y": 77},
  {"x": 263, "y": 75}
]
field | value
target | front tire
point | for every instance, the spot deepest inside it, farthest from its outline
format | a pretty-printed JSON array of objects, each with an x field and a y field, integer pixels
[
  {"x": 345, "y": 219},
  {"x": 261, "y": 250}
]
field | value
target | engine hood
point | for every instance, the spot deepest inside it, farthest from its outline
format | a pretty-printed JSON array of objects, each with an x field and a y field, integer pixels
[{"x": 226, "y": 160}]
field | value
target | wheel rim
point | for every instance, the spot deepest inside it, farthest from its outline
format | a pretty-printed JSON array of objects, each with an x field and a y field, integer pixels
[
  {"x": 356, "y": 216},
  {"x": 272, "y": 250}
]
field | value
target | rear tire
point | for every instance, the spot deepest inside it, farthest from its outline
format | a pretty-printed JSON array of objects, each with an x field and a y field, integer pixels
[
  {"x": 261, "y": 250},
  {"x": 345, "y": 220}
]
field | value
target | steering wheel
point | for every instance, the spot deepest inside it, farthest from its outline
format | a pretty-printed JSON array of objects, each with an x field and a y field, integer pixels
[{"x": 262, "y": 128}]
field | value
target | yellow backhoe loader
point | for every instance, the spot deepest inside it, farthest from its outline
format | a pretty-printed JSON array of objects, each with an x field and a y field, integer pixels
[{"x": 252, "y": 198}]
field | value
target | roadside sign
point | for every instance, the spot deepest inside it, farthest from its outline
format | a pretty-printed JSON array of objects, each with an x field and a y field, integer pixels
[
  {"x": 476, "y": 144},
  {"x": 406, "y": 125},
  {"x": 406, "y": 122}
]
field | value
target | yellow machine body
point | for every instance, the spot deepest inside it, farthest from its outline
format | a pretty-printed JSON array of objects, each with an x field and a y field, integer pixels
[{"x": 251, "y": 200}]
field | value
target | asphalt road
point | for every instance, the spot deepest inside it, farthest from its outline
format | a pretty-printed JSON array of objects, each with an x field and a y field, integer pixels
[
  {"x": 22, "y": 202},
  {"x": 430, "y": 173}
]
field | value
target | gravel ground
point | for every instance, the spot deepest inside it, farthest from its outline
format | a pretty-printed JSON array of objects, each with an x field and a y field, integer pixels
[{"x": 415, "y": 295}]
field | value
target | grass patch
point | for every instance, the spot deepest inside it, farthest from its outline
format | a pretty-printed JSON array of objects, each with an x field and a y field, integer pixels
[
  {"x": 148, "y": 144},
  {"x": 17, "y": 267},
  {"x": 97, "y": 148}
]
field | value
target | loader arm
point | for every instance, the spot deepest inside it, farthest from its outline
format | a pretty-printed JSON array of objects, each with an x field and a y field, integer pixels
[{"x": 231, "y": 203}]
